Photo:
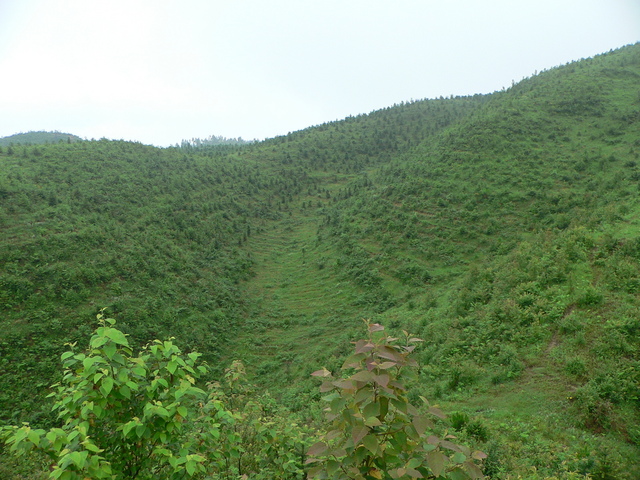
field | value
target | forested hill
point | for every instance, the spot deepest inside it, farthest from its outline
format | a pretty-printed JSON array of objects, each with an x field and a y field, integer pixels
[
  {"x": 37, "y": 138},
  {"x": 504, "y": 229}
]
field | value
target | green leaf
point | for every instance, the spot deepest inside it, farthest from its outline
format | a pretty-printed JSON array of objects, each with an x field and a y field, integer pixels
[
  {"x": 161, "y": 411},
  {"x": 372, "y": 422},
  {"x": 436, "y": 461},
  {"x": 125, "y": 391},
  {"x": 459, "y": 457},
  {"x": 384, "y": 407},
  {"x": 51, "y": 436},
  {"x": 332, "y": 467},
  {"x": 97, "y": 341},
  {"x": 457, "y": 474},
  {"x": 34, "y": 436},
  {"x": 110, "y": 350},
  {"x": 363, "y": 394},
  {"x": 107, "y": 386},
  {"x": 66, "y": 355},
  {"x": 78, "y": 458},
  {"x": 370, "y": 442},
  {"x": 132, "y": 385},
  {"x": 400, "y": 404},
  {"x": 88, "y": 362},
  {"x": 117, "y": 336},
  {"x": 91, "y": 447},
  {"x": 172, "y": 366},
  {"x": 372, "y": 409}
]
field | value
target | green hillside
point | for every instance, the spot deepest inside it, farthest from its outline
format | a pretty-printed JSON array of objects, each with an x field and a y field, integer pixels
[
  {"x": 38, "y": 138},
  {"x": 503, "y": 229}
]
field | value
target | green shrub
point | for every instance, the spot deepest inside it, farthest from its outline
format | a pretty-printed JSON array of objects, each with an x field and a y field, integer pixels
[
  {"x": 127, "y": 417},
  {"x": 375, "y": 432},
  {"x": 458, "y": 420}
]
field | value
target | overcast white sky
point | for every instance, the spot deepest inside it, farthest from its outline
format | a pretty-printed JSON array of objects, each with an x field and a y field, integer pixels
[{"x": 159, "y": 71}]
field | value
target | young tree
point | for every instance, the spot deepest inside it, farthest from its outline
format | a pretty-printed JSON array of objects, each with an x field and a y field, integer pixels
[
  {"x": 128, "y": 417},
  {"x": 376, "y": 433}
]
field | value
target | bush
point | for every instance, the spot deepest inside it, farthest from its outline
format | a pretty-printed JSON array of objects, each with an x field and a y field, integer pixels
[
  {"x": 375, "y": 432},
  {"x": 127, "y": 417}
]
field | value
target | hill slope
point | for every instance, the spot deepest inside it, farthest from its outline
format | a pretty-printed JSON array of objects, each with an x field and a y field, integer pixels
[
  {"x": 38, "y": 138},
  {"x": 503, "y": 229}
]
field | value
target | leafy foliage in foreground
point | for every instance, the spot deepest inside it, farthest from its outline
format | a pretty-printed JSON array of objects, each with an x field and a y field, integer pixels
[
  {"x": 376, "y": 433},
  {"x": 127, "y": 417}
]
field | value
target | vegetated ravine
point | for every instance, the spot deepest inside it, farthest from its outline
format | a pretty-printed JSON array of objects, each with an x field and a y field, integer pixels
[{"x": 503, "y": 229}]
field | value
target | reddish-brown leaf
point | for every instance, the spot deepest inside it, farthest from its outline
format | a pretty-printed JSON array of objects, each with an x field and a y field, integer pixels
[
  {"x": 473, "y": 470},
  {"x": 317, "y": 448},
  {"x": 436, "y": 461},
  {"x": 433, "y": 440},
  {"x": 362, "y": 376},
  {"x": 326, "y": 387},
  {"x": 382, "y": 380},
  {"x": 421, "y": 424},
  {"x": 413, "y": 473},
  {"x": 450, "y": 445},
  {"x": 390, "y": 354},
  {"x": 437, "y": 412},
  {"x": 358, "y": 433},
  {"x": 387, "y": 365},
  {"x": 343, "y": 384},
  {"x": 364, "y": 346},
  {"x": 478, "y": 455}
]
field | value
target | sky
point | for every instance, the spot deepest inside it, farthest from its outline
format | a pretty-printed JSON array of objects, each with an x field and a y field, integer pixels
[{"x": 160, "y": 71}]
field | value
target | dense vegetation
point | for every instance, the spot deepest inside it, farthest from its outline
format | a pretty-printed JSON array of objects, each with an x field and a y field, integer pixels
[
  {"x": 37, "y": 138},
  {"x": 212, "y": 140},
  {"x": 503, "y": 229}
]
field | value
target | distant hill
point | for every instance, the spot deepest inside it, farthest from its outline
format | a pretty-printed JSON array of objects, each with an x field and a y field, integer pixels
[
  {"x": 213, "y": 140},
  {"x": 38, "y": 138}
]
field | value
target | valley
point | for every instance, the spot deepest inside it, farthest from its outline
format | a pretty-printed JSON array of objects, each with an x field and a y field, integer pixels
[{"x": 502, "y": 229}]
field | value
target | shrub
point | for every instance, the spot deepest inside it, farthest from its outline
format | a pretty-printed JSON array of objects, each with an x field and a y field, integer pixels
[
  {"x": 375, "y": 432},
  {"x": 127, "y": 417}
]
